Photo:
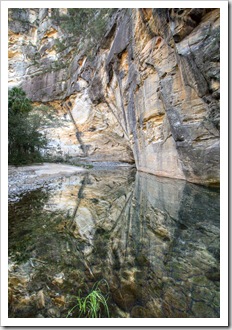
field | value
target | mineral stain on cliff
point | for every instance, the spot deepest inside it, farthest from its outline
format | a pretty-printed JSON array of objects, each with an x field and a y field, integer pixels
[{"x": 149, "y": 94}]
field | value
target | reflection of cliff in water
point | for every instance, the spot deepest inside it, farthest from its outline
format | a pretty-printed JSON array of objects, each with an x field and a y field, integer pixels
[{"x": 155, "y": 240}]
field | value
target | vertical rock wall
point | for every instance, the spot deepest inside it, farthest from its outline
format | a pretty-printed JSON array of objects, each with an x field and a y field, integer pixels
[
  {"x": 163, "y": 71},
  {"x": 153, "y": 87}
]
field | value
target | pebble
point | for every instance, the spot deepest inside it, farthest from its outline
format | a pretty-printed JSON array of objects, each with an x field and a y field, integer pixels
[
  {"x": 40, "y": 299},
  {"x": 53, "y": 312}
]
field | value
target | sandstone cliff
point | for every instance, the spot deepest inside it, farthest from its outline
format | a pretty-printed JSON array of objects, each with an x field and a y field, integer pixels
[{"x": 150, "y": 94}]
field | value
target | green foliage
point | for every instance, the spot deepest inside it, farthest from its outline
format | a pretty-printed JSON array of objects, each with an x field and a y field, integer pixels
[
  {"x": 24, "y": 138},
  {"x": 94, "y": 305},
  {"x": 18, "y": 102},
  {"x": 59, "y": 45},
  {"x": 58, "y": 65},
  {"x": 88, "y": 24}
]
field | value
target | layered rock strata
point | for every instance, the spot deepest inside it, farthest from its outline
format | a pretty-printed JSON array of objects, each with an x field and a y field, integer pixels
[{"x": 150, "y": 95}]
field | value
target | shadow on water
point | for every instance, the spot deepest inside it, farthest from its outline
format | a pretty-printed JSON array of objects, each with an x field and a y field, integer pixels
[{"x": 154, "y": 240}]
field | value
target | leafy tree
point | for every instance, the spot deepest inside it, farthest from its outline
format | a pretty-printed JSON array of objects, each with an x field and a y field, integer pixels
[
  {"x": 18, "y": 102},
  {"x": 24, "y": 138}
]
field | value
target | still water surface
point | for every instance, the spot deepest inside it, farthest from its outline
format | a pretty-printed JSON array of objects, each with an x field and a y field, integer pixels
[{"x": 154, "y": 240}]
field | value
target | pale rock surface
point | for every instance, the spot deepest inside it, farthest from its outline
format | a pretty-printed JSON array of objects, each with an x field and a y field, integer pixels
[{"x": 150, "y": 95}]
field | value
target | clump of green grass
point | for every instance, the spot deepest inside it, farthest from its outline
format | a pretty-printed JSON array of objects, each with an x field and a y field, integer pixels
[{"x": 94, "y": 305}]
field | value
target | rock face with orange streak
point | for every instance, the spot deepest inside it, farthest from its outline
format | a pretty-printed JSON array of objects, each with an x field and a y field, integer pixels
[{"x": 151, "y": 94}]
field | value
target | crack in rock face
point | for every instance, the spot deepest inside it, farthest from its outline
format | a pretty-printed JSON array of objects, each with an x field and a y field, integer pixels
[{"x": 155, "y": 75}]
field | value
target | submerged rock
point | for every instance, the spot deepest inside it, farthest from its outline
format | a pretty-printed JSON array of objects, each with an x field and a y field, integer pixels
[{"x": 149, "y": 238}]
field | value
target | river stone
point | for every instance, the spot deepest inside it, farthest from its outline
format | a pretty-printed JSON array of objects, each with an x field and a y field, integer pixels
[
  {"x": 165, "y": 277},
  {"x": 40, "y": 300},
  {"x": 138, "y": 312},
  {"x": 53, "y": 312},
  {"x": 201, "y": 309}
]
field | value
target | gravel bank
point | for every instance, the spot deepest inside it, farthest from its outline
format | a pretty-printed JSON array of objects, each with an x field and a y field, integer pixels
[{"x": 23, "y": 179}]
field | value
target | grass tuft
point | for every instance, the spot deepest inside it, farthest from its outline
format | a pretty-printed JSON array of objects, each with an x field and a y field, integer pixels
[{"x": 94, "y": 305}]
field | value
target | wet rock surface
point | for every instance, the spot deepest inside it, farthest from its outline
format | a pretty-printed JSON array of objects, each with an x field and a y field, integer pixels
[{"x": 154, "y": 240}]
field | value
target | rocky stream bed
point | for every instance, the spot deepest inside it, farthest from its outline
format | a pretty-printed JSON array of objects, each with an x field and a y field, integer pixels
[{"x": 155, "y": 241}]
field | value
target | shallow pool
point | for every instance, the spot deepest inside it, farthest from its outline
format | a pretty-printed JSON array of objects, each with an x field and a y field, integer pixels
[{"x": 154, "y": 241}]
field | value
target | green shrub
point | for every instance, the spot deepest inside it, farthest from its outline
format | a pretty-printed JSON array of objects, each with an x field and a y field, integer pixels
[
  {"x": 18, "y": 102},
  {"x": 24, "y": 138},
  {"x": 86, "y": 24}
]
